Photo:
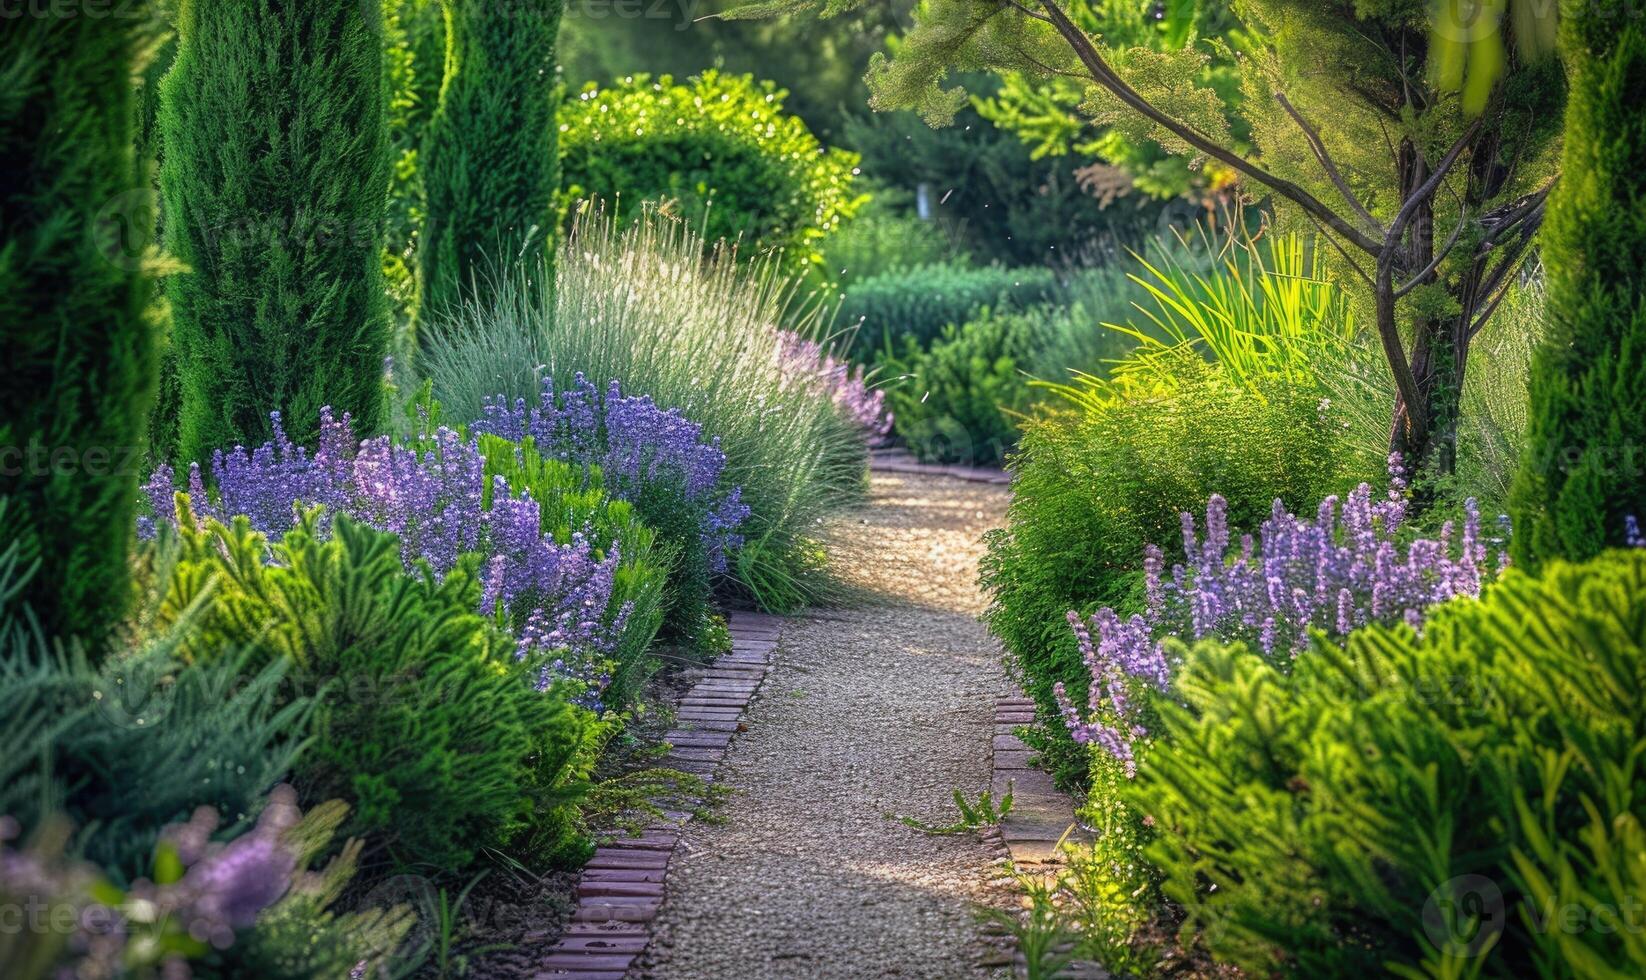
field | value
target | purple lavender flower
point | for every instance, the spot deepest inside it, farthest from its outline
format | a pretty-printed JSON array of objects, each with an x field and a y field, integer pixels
[
  {"x": 1331, "y": 575},
  {"x": 803, "y": 361}
]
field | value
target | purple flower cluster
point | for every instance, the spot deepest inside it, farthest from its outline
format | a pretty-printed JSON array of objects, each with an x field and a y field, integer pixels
[
  {"x": 433, "y": 499},
  {"x": 636, "y": 444},
  {"x": 222, "y": 891},
  {"x": 1333, "y": 574},
  {"x": 806, "y": 362}
]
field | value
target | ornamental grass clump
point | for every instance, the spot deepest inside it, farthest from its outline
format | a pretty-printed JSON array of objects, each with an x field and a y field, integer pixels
[
  {"x": 1298, "y": 578},
  {"x": 696, "y": 334}
]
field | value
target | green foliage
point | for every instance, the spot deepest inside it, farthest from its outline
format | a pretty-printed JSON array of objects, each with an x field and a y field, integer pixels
[
  {"x": 991, "y": 193},
  {"x": 79, "y": 353},
  {"x": 917, "y": 303},
  {"x": 1093, "y": 486},
  {"x": 414, "y": 64},
  {"x": 718, "y": 151},
  {"x": 1584, "y": 472},
  {"x": 489, "y": 163},
  {"x": 573, "y": 500},
  {"x": 885, "y": 236},
  {"x": 644, "y": 306},
  {"x": 274, "y": 175},
  {"x": 1046, "y": 111},
  {"x": 123, "y": 748},
  {"x": 427, "y": 721},
  {"x": 959, "y": 401},
  {"x": 1450, "y": 805}
]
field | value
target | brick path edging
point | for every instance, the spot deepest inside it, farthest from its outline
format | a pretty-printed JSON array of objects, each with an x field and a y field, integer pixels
[
  {"x": 1041, "y": 813},
  {"x": 902, "y": 461},
  {"x": 620, "y": 891}
]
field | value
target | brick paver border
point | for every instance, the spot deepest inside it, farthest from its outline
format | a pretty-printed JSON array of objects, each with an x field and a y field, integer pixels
[
  {"x": 896, "y": 460},
  {"x": 621, "y": 889}
]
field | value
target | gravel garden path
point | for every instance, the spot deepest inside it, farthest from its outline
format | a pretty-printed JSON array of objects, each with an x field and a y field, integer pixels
[{"x": 881, "y": 709}]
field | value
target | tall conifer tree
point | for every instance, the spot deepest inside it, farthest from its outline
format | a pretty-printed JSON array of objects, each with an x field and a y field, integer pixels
[
  {"x": 1584, "y": 472},
  {"x": 75, "y": 213},
  {"x": 490, "y": 163},
  {"x": 275, "y": 178}
]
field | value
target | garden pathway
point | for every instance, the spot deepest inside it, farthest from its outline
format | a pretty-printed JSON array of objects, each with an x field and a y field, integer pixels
[{"x": 883, "y": 708}]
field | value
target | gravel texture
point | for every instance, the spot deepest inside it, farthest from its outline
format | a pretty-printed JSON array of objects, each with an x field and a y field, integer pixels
[{"x": 882, "y": 709}]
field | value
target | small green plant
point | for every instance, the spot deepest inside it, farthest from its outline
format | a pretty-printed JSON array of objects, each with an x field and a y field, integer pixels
[{"x": 985, "y": 811}]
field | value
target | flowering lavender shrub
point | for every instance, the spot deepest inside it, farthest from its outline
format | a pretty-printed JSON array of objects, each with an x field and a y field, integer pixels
[
  {"x": 1334, "y": 574},
  {"x": 656, "y": 458},
  {"x": 434, "y": 497},
  {"x": 806, "y": 362},
  {"x": 203, "y": 898}
]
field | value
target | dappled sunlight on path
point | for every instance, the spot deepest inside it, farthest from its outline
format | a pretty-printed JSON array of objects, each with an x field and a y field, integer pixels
[{"x": 869, "y": 711}]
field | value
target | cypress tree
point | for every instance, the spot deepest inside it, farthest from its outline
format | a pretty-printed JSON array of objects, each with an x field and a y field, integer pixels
[
  {"x": 1583, "y": 473},
  {"x": 75, "y": 211},
  {"x": 490, "y": 163},
  {"x": 274, "y": 181}
]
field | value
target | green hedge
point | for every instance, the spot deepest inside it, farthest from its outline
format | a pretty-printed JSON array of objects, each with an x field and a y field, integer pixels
[
  {"x": 915, "y": 304},
  {"x": 1467, "y": 803},
  {"x": 1094, "y": 485},
  {"x": 719, "y": 150}
]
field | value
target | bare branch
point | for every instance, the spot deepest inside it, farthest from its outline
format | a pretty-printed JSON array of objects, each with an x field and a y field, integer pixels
[
  {"x": 1440, "y": 256},
  {"x": 1326, "y": 163},
  {"x": 1106, "y": 76}
]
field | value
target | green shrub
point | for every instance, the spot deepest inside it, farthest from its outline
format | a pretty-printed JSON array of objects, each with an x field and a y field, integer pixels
[
  {"x": 1094, "y": 484},
  {"x": 1584, "y": 473},
  {"x": 274, "y": 174},
  {"x": 426, "y": 718},
  {"x": 79, "y": 353},
  {"x": 959, "y": 401},
  {"x": 488, "y": 159},
  {"x": 917, "y": 303},
  {"x": 884, "y": 236},
  {"x": 642, "y": 306},
  {"x": 123, "y": 748},
  {"x": 1448, "y": 805},
  {"x": 719, "y": 150}
]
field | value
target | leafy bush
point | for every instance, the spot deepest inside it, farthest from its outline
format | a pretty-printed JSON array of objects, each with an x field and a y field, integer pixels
[
  {"x": 718, "y": 150},
  {"x": 428, "y": 718},
  {"x": 1095, "y": 485},
  {"x": 916, "y": 304},
  {"x": 216, "y": 731},
  {"x": 958, "y": 402},
  {"x": 642, "y": 305},
  {"x": 1442, "y": 805},
  {"x": 278, "y": 217},
  {"x": 884, "y": 236},
  {"x": 78, "y": 348},
  {"x": 1584, "y": 474},
  {"x": 657, "y": 459}
]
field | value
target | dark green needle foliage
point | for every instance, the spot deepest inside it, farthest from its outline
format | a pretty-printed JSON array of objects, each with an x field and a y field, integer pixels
[
  {"x": 274, "y": 179},
  {"x": 489, "y": 163},
  {"x": 1584, "y": 471},
  {"x": 79, "y": 354}
]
